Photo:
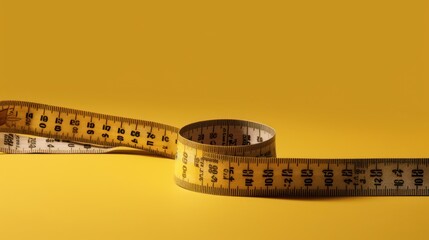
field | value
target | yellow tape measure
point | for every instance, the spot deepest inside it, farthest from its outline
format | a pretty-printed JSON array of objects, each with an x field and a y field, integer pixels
[{"x": 227, "y": 157}]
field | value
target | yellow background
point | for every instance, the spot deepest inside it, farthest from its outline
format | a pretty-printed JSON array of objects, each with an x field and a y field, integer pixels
[{"x": 334, "y": 78}]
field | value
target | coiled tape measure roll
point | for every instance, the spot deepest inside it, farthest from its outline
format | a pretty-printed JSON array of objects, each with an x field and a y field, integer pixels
[{"x": 226, "y": 157}]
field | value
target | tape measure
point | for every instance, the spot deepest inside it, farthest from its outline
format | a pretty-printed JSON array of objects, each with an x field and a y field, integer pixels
[{"x": 225, "y": 157}]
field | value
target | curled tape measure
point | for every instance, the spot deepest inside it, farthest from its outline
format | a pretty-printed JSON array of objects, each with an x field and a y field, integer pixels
[{"x": 226, "y": 157}]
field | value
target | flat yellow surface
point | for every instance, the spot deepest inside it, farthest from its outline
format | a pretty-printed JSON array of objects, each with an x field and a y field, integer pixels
[{"x": 334, "y": 78}]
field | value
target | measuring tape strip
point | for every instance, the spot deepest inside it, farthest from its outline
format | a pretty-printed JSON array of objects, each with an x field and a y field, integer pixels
[{"x": 226, "y": 157}]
